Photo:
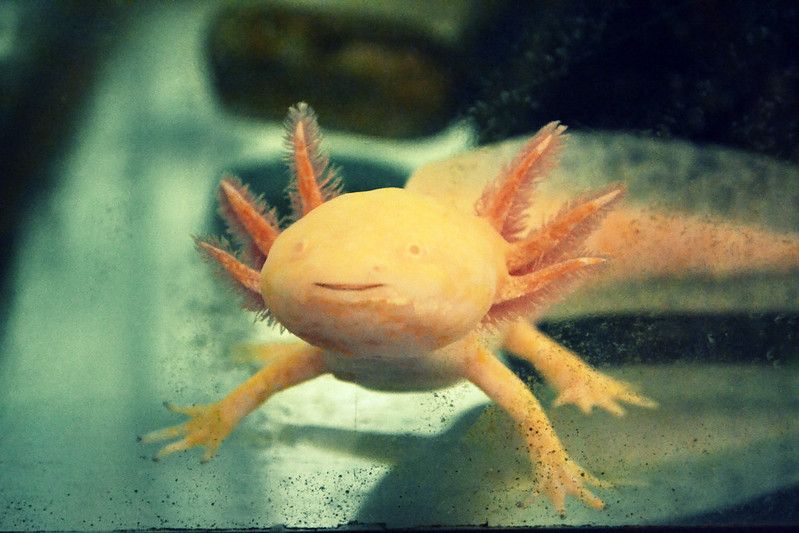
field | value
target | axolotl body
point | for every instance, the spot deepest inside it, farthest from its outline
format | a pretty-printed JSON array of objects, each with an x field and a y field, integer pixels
[{"x": 394, "y": 290}]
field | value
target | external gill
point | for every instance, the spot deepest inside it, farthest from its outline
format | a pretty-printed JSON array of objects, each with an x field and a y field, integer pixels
[
  {"x": 248, "y": 219},
  {"x": 314, "y": 182},
  {"x": 524, "y": 296},
  {"x": 565, "y": 232},
  {"x": 536, "y": 281},
  {"x": 245, "y": 280},
  {"x": 538, "y": 265},
  {"x": 505, "y": 201},
  {"x": 254, "y": 225}
]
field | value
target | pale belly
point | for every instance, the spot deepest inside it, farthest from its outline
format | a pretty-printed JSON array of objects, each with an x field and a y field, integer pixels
[
  {"x": 393, "y": 374},
  {"x": 411, "y": 372}
]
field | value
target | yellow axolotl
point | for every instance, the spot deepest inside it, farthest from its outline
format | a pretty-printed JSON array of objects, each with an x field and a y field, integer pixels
[{"x": 394, "y": 290}]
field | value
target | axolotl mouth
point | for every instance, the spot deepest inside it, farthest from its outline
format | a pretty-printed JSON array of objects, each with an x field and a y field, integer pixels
[
  {"x": 365, "y": 295},
  {"x": 349, "y": 286}
]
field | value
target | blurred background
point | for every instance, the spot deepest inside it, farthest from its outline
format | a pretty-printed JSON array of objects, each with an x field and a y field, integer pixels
[{"x": 118, "y": 118}]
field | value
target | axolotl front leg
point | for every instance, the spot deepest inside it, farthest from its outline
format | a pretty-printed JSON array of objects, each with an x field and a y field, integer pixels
[
  {"x": 555, "y": 473},
  {"x": 208, "y": 425}
]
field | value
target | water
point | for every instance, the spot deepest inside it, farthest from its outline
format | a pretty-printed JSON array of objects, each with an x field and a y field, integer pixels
[{"x": 113, "y": 313}]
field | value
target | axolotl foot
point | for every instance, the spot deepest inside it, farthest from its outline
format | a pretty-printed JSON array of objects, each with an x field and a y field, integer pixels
[
  {"x": 594, "y": 388},
  {"x": 207, "y": 426},
  {"x": 557, "y": 476}
]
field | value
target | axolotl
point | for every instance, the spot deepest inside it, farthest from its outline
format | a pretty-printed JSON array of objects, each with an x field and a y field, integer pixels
[{"x": 394, "y": 290}]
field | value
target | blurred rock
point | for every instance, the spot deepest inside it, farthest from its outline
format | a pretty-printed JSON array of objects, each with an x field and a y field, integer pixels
[{"x": 362, "y": 72}]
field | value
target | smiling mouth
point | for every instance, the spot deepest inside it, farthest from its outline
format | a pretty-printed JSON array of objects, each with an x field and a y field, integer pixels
[{"x": 349, "y": 286}]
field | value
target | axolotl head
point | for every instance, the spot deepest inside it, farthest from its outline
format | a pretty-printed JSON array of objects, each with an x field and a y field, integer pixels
[
  {"x": 383, "y": 271},
  {"x": 391, "y": 271}
]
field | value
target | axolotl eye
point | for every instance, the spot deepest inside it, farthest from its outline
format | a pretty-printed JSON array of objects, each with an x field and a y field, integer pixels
[
  {"x": 299, "y": 248},
  {"x": 414, "y": 250}
]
